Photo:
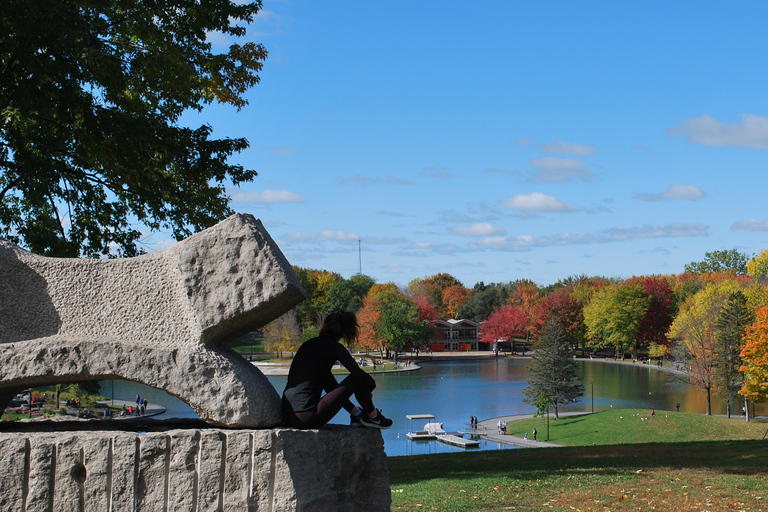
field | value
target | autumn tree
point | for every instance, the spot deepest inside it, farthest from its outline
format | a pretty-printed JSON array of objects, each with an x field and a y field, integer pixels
[
  {"x": 754, "y": 355},
  {"x": 562, "y": 305},
  {"x": 730, "y": 260},
  {"x": 757, "y": 267},
  {"x": 553, "y": 371},
  {"x": 317, "y": 285},
  {"x": 92, "y": 94},
  {"x": 434, "y": 289},
  {"x": 368, "y": 318},
  {"x": 507, "y": 322},
  {"x": 695, "y": 328},
  {"x": 453, "y": 298},
  {"x": 525, "y": 295},
  {"x": 732, "y": 322},
  {"x": 282, "y": 334},
  {"x": 614, "y": 314},
  {"x": 655, "y": 324}
]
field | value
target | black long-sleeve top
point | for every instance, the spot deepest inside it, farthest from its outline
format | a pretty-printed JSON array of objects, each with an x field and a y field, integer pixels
[{"x": 310, "y": 372}]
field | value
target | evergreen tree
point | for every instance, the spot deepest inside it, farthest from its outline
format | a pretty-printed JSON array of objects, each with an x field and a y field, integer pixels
[
  {"x": 553, "y": 370},
  {"x": 732, "y": 322}
]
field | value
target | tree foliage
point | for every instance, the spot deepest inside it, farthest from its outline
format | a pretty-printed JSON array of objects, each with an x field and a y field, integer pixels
[
  {"x": 655, "y": 324},
  {"x": 317, "y": 284},
  {"x": 91, "y": 94},
  {"x": 283, "y": 334},
  {"x": 348, "y": 294},
  {"x": 553, "y": 371},
  {"x": 729, "y": 260},
  {"x": 399, "y": 325},
  {"x": 695, "y": 326},
  {"x": 614, "y": 314},
  {"x": 754, "y": 355},
  {"x": 732, "y": 322},
  {"x": 507, "y": 322},
  {"x": 484, "y": 301},
  {"x": 757, "y": 267}
]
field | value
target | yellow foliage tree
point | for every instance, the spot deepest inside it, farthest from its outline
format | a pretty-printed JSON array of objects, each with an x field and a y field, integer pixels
[{"x": 695, "y": 326}]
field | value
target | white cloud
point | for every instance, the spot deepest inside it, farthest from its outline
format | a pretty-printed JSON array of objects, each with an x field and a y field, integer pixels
[
  {"x": 268, "y": 196},
  {"x": 303, "y": 237},
  {"x": 339, "y": 236},
  {"x": 750, "y": 225},
  {"x": 704, "y": 130},
  {"x": 674, "y": 229},
  {"x": 478, "y": 229},
  {"x": 551, "y": 169},
  {"x": 688, "y": 192},
  {"x": 568, "y": 148},
  {"x": 528, "y": 242},
  {"x": 538, "y": 202}
]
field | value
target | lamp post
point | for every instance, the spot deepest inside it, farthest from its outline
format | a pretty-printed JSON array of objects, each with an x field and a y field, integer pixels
[
  {"x": 549, "y": 403},
  {"x": 593, "y": 397}
]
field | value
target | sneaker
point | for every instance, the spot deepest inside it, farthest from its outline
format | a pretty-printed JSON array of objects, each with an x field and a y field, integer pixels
[
  {"x": 378, "y": 422},
  {"x": 355, "y": 421}
]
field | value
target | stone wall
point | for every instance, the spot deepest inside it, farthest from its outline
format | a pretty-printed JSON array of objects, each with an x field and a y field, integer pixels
[{"x": 333, "y": 469}]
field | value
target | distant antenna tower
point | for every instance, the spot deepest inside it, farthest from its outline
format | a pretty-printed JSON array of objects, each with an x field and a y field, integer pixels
[{"x": 360, "y": 256}]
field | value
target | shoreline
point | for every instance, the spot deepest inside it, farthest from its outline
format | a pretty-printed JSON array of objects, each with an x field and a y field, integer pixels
[{"x": 278, "y": 369}]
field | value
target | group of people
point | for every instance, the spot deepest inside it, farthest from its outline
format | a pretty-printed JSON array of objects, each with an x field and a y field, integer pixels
[{"x": 138, "y": 410}]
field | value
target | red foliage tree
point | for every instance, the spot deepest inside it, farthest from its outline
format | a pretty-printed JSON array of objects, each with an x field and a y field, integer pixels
[
  {"x": 655, "y": 325},
  {"x": 505, "y": 322},
  {"x": 566, "y": 308}
]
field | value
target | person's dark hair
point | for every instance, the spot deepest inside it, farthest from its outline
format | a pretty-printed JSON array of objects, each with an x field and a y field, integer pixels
[{"x": 342, "y": 324}]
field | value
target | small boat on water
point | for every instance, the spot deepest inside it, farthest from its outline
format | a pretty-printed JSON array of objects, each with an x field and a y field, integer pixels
[
  {"x": 429, "y": 430},
  {"x": 434, "y": 430}
]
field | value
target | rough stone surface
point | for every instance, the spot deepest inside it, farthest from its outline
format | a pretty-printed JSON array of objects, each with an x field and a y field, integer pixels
[
  {"x": 162, "y": 319},
  {"x": 333, "y": 469}
]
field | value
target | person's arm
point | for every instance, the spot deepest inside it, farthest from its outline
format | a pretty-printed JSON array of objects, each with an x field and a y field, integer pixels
[{"x": 346, "y": 359}]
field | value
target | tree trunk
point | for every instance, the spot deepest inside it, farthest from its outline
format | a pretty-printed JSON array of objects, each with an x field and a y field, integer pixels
[
  {"x": 746, "y": 409},
  {"x": 557, "y": 413},
  {"x": 709, "y": 400}
]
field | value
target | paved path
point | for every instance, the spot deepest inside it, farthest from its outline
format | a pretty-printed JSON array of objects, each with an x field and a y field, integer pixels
[
  {"x": 151, "y": 410},
  {"x": 491, "y": 426}
]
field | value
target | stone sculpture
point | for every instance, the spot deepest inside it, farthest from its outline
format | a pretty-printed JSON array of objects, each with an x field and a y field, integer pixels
[{"x": 162, "y": 319}]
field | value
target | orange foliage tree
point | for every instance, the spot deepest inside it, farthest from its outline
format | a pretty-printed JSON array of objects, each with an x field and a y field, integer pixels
[
  {"x": 454, "y": 297},
  {"x": 368, "y": 318},
  {"x": 754, "y": 355}
]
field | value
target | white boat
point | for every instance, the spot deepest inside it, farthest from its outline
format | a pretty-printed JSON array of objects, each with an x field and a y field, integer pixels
[
  {"x": 432, "y": 429},
  {"x": 428, "y": 432}
]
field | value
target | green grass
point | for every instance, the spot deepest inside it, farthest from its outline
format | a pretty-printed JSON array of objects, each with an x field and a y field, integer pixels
[
  {"x": 670, "y": 462},
  {"x": 629, "y": 426}
]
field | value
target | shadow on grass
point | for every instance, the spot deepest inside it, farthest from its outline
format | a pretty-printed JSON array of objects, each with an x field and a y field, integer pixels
[{"x": 729, "y": 457}]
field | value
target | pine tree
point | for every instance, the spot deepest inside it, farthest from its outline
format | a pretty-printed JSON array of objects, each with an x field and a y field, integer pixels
[
  {"x": 552, "y": 371},
  {"x": 732, "y": 322}
]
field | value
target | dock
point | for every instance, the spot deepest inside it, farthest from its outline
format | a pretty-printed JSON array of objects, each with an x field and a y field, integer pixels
[{"x": 458, "y": 441}]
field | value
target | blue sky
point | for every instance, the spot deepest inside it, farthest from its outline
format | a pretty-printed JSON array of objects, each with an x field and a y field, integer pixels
[{"x": 500, "y": 140}]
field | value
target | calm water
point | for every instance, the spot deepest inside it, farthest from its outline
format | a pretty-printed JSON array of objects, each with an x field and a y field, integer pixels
[{"x": 487, "y": 388}]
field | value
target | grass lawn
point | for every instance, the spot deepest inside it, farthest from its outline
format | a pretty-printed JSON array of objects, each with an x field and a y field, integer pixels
[{"x": 670, "y": 462}]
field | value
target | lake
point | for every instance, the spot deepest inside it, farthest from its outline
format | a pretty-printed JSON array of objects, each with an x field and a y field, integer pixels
[{"x": 454, "y": 390}]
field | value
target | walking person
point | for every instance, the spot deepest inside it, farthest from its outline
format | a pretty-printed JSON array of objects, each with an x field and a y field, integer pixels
[{"x": 304, "y": 405}]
